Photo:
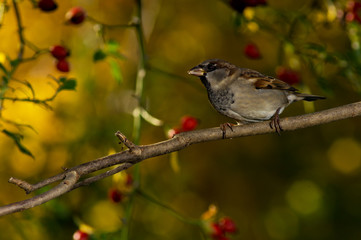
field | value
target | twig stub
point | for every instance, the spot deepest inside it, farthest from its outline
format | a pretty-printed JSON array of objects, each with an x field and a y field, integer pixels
[
  {"x": 21, "y": 184},
  {"x": 132, "y": 147}
]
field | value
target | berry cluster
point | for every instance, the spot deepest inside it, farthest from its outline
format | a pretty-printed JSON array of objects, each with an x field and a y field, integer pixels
[
  {"x": 188, "y": 123},
  {"x": 75, "y": 15},
  {"x": 222, "y": 227},
  {"x": 60, "y": 53}
]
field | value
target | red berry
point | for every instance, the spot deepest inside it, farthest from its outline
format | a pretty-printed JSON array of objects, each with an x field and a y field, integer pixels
[
  {"x": 252, "y": 51},
  {"x": 217, "y": 231},
  {"x": 173, "y": 131},
  {"x": 59, "y": 52},
  {"x": 63, "y": 66},
  {"x": 80, "y": 235},
  {"x": 288, "y": 75},
  {"x": 115, "y": 195},
  {"x": 47, "y": 5},
  {"x": 227, "y": 225},
  {"x": 75, "y": 15},
  {"x": 189, "y": 123}
]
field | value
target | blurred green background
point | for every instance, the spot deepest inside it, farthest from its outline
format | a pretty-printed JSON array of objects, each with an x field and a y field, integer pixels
[{"x": 304, "y": 184}]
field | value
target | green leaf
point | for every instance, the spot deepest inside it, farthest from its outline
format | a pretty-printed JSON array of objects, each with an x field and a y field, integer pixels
[
  {"x": 6, "y": 80},
  {"x": 62, "y": 79},
  {"x": 237, "y": 19},
  {"x": 2, "y": 67},
  {"x": 17, "y": 139},
  {"x": 112, "y": 46},
  {"x": 99, "y": 55},
  {"x": 15, "y": 62},
  {"x": 115, "y": 70},
  {"x": 26, "y": 83},
  {"x": 69, "y": 84}
]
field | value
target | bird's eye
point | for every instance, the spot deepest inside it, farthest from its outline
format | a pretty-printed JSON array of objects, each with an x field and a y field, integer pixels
[{"x": 211, "y": 67}]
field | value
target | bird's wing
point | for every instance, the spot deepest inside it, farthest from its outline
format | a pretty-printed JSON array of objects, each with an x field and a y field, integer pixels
[
  {"x": 265, "y": 82},
  {"x": 272, "y": 83}
]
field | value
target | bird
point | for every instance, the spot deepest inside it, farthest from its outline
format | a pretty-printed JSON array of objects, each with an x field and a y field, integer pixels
[{"x": 246, "y": 95}]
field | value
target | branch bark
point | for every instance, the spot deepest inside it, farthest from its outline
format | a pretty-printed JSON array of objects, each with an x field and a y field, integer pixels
[{"x": 136, "y": 154}]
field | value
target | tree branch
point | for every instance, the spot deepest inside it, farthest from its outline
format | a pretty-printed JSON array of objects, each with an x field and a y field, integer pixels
[
  {"x": 70, "y": 179},
  {"x": 136, "y": 154}
]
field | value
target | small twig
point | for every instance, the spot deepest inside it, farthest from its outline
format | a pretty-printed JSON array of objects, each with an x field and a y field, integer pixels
[
  {"x": 22, "y": 184},
  {"x": 90, "y": 180},
  {"x": 66, "y": 185},
  {"x": 129, "y": 25},
  {"x": 132, "y": 147},
  {"x": 153, "y": 200}
]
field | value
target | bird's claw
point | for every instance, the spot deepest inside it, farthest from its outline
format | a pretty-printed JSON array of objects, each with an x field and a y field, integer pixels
[
  {"x": 275, "y": 122},
  {"x": 224, "y": 127}
]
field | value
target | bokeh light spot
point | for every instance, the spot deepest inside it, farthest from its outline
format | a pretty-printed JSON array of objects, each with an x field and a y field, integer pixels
[
  {"x": 104, "y": 216},
  {"x": 281, "y": 223},
  {"x": 252, "y": 26},
  {"x": 305, "y": 197},
  {"x": 345, "y": 155}
]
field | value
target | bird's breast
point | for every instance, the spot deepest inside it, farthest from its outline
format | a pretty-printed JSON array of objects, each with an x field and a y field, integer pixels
[{"x": 221, "y": 99}]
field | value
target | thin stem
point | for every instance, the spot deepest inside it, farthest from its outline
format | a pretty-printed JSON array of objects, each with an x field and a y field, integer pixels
[
  {"x": 130, "y": 25},
  {"x": 167, "y": 208},
  {"x": 32, "y": 100},
  {"x": 20, "y": 30},
  {"x": 139, "y": 84}
]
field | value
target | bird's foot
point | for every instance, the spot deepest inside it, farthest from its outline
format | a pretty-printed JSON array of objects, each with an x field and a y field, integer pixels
[
  {"x": 224, "y": 127},
  {"x": 275, "y": 122}
]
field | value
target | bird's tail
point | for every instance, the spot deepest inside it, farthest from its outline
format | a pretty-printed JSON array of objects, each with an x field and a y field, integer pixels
[{"x": 308, "y": 97}]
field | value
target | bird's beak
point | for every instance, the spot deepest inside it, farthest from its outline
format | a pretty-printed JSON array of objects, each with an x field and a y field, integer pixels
[{"x": 197, "y": 71}]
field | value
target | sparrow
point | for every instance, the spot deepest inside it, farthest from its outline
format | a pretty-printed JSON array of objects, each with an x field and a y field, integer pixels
[{"x": 246, "y": 95}]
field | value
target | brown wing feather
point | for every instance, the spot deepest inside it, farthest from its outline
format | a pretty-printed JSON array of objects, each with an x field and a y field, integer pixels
[
  {"x": 272, "y": 83},
  {"x": 265, "y": 82}
]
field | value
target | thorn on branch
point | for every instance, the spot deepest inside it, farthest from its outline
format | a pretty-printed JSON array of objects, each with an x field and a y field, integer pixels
[
  {"x": 64, "y": 168},
  {"x": 132, "y": 147}
]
